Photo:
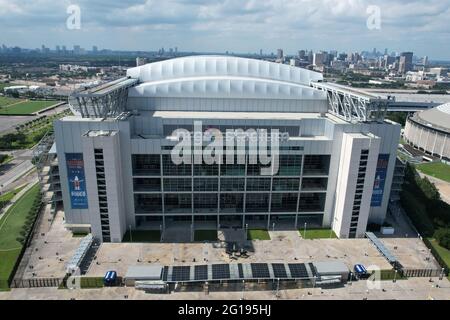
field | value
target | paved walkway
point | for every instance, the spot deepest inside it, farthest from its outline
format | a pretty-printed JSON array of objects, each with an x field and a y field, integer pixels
[
  {"x": 441, "y": 185},
  {"x": 411, "y": 289},
  {"x": 17, "y": 197}
]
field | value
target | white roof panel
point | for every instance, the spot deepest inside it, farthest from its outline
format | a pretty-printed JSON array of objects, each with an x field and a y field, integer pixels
[{"x": 201, "y": 66}]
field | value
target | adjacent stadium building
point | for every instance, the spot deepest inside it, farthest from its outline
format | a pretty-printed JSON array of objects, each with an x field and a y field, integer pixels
[
  {"x": 336, "y": 159},
  {"x": 429, "y": 131}
]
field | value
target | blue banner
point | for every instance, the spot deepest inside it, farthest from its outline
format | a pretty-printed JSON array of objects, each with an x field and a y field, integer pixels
[
  {"x": 380, "y": 180},
  {"x": 77, "y": 180}
]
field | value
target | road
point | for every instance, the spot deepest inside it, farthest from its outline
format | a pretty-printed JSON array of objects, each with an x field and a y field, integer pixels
[
  {"x": 8, "y": 123},
  {"x": 411, "y": 289},
  {"x": 442, "y": 186},
  {"x": 13, "y": 170}
]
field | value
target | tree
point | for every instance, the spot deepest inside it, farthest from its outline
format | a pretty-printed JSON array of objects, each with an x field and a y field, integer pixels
[
  {"x": 429, "y": 189},
  {"x": 443, "y": 237}
]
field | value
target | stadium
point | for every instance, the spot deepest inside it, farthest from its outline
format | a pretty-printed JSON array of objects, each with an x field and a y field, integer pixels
[
  {"x": 429, "y": 131},
  {"x": 335, "y": 169}
]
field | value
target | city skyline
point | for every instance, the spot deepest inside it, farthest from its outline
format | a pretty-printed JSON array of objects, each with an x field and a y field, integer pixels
[
  {"x": 74, "y": 49},
  {"x": 209, "y": 26}
]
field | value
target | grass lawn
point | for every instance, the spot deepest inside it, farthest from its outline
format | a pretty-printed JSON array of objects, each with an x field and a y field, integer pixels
[
  {"x": 79, "y": 234},
  {"x": 258, "y": 234},
  {"x": 8, "y": 261},
  {"x": 205, "y": 235},
  {"x": 317, "y": 233},
  {"x": 10, "y": 226},
  {"x": 26, "y": 107},
  {"x": 6, "y": 101},
  {"x": 91, "y": 282},
  {"x": 443, "y": 253},
  {"x": 142, "y": 236},
  {"x": 390, "y": 275},
  {"x": 7, "y": 196},
  {"x": 435, "y": 169}
]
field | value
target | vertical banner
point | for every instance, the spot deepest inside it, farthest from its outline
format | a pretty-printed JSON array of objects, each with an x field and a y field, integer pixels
[
  {"x": 380, "y": 180},
  {"x": 77, "y": 180}
]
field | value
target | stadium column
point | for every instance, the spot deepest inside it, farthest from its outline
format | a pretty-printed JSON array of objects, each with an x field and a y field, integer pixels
[
  {"x": 106, "y": 143},
  {"x": 357, "y": 166}
]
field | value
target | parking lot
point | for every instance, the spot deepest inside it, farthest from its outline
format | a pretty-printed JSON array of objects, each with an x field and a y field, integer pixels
[
  {"x": 412, "y": 289},
  {"x": 284, "y": 246},
  {"x": 55, "y": 246},
  {"x": 51, "y": 249}
]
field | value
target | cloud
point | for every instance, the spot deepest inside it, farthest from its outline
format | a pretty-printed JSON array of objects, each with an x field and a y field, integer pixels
[{"x": 239, "y": 25}]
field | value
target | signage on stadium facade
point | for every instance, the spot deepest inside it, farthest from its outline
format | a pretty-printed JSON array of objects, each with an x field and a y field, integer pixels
[
  {"x": 380, "y": 180},
  {"x": 77, "y": 180}
]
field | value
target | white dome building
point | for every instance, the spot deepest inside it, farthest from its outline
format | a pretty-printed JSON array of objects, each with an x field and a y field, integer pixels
[
  {"x": 328, "y": 171},
  {"x": 429, "y": 131}
]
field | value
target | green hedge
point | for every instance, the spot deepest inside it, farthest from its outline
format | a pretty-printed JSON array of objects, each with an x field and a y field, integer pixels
[
  {"x": 390, "y": 275},
  {"x": 417, "y": 212},
  {"x": 444, "y": 263},
  {"x": 91, "y": 282}
]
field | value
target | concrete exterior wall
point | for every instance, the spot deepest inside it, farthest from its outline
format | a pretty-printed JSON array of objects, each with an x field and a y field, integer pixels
[
  {"x": 352, "y": 145},
  {"x": 427, "y": 139},
  {"x": 322, "y": 136}
]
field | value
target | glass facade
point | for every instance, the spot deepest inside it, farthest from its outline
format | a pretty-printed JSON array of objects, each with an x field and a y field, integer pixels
[
  {"x": 311, "y": 220},
  {"x": 146, "y": 164},
  {"x": 229, "y": 188},
  {"x": 232, "y": 169},
  {"x": 258, "y": 184},
  {"x": 284, "y": 202},
  {"x": 172, "y": 169},
  {"x": 177, "y": 184},
  {"x": 316, "y": 165},
  {"x": 290, "y": 165},
  {"x": 148, "y": 203},
  {"x": 206, "y": 184},
  {"x": 206, "y": 169},
  {"x": 232, "y": 184},
  {"x": 205, "y": 203},
  {"x": 312, "y": 202},
  {"x": 314, "y": 184},
  {"x": 257, "y": 202},
  {"x": 178, "y": 202},
  {"x": 147, "y": 184},
  {"x": 231, "y": 202},
  {"x": 285, "y": 184}
]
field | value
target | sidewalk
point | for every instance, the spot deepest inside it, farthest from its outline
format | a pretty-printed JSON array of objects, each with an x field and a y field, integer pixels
[
  {"x": 17, "y": 197},
  {"x": 441, "y": 185}
]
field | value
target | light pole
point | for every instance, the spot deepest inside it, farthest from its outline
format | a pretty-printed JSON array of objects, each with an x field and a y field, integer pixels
[
  {"x": 243, "y": 289},
  {"x": 441, "y": 276},
  {"x": 161, "y": 233},
  {"x": 131, "y": 238},
  {"x": 278, "y": 287},
  {"x": 395, "y": 276},
  {"x": 429, "y": 263},
  {"x": 304, "y": 232}
]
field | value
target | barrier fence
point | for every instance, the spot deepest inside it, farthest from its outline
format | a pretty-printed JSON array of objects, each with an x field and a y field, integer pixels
[
  {"x": 38, "y": 283},
  {"x": 423, "y": 273}
]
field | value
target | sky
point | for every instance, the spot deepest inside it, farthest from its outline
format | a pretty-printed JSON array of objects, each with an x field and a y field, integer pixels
[{"x": 243, "y": 26}]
